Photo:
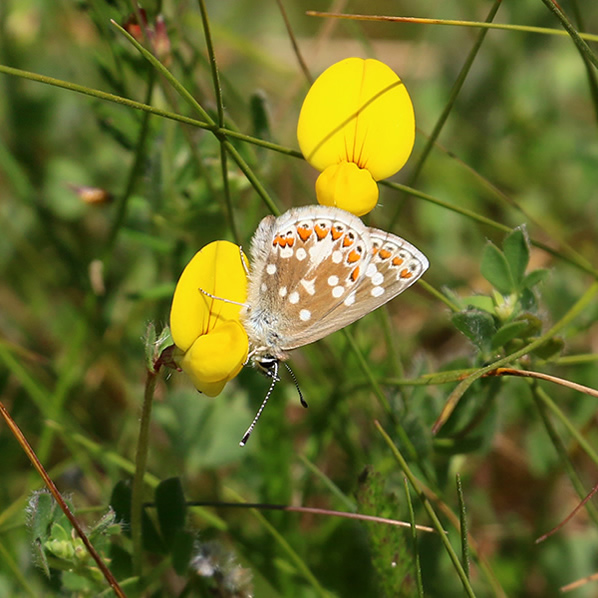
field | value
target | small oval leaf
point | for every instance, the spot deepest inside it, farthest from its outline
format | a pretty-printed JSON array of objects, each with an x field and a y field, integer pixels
[
  {"x": 516, "y": 251},
  {"x": 495, "y": 269},
  {"x": 477, "y": 325}
]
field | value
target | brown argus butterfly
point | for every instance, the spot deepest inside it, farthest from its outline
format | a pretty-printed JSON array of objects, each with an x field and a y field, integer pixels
[{"x": 314, "y": 270}]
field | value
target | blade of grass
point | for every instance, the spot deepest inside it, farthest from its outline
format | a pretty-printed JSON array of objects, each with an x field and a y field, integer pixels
[
  {"x": 592, "y": 79},
  {"x": 220, "y": 107},
  {"x": 416, "y": 560},
  {"x": 429, "y": 510},
  {"x": 294, "y": 43},
  {"x": 578, "y": 39},
  {"x": 463, "y": 527},
  {"x": 451, "y": 23}
]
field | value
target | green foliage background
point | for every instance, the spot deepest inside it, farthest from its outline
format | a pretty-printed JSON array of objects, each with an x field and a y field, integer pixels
[{"x": 79, "y": 284}]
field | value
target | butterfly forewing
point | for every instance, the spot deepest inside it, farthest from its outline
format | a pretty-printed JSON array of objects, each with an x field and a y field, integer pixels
[{"x": 304, "y": 262}]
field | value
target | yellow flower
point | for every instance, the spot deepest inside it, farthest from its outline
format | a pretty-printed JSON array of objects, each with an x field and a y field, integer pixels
[
  {"x": 356, "y": 126},
  {"x": 211, "y": 341}
]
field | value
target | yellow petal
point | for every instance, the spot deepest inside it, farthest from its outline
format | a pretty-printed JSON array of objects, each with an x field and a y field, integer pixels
[
  {"x": 357, "y": 111},
  {"x": 349, "y": 187},
  {"x": 217, "y": 269},
  {"x": 217, "y": 357}
]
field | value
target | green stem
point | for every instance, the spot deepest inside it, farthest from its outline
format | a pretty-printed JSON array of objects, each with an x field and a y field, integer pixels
[{"x": 140, "y": 466}]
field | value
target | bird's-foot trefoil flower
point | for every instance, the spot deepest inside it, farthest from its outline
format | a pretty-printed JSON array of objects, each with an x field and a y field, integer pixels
[
  {"x": 211, "y": 343},
  {"x": 357, "y": 127}
]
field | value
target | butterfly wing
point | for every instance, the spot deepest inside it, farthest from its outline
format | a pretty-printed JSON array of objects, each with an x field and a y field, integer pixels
[
  {"x": 394, "y": 265},
  {"x": 303, "y": 264}
]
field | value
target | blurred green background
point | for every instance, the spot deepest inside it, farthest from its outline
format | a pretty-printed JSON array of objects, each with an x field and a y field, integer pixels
[{"x": 81, "y": 280}]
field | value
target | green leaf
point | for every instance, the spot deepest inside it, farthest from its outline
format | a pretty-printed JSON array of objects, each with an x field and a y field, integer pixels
[
  {"x": 39, "y": 555},
  {"x": 41, "y": 511},
  {"x": 508, "y": 332},
  {"x": 516, "y": 251},
  {"x": 482, "y": 302},
  {"x": 121, "y": 562},
  {"x": 495, "y": 269},
  {"x": 59, "y": 533},
  {"x": 477, "y": 325},
  {"x": 171, "y": 509},
  {"x": 534, "y": 325},
  {"x": 550, "y": 348},
  {"x": 260, "y": 117},
  {"x": 182, "y": 549},
  {"x": 120, "y": 501},
  {"x": 535, "y": 277}
]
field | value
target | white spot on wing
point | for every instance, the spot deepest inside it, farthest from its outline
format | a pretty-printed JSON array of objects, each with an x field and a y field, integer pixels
[
  {"x": 338, "y": 292},
  {"x": 333, "y": 280},
  {"x": 309, "y": 286},
  {"x": 304, "y": 315},
  {"x": 271, "y": 268},
  {"x": 286, "y": 252},
  {"x": 301, "y": 254},
  {"x": 378, "y": 278},
  {"x": 337, "y": 256},
  {"x": 377, "y": 291},
  {"x": 371, "y": 270},
  {"x": 294, "y": 297},
  {"x": 263, "y": 287},
  {"x": 350, "y": 300},
  {"x": 282, "y": 291}
]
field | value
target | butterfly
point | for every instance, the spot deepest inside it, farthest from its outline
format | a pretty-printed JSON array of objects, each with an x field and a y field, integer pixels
[{"x": 315, "y": 270}]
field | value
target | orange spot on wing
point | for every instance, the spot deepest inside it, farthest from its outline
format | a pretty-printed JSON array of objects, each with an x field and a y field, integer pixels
[
  {"x": 397, "y": 261},
  {"x": 353, "y": 256},
  {"x": 304, "y": 232},
  {"x": 406, "y": 274},
  {"x": 355, "y": 274},
  {"x": 384, "y": 254},
  {"x": 375, "y": 250},
  {"x": 348, "y": 241},
  {"x": 336, "y": 234},
  {"x": 290, "y": 241},
  {"x": 320, "y": 231}
]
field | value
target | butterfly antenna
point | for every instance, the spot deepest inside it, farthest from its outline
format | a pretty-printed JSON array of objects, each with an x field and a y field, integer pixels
[
  {"x": 259, "y": 413},
  {"x": 303, "y": 402},
  {"x": 203, "y": 292}
]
